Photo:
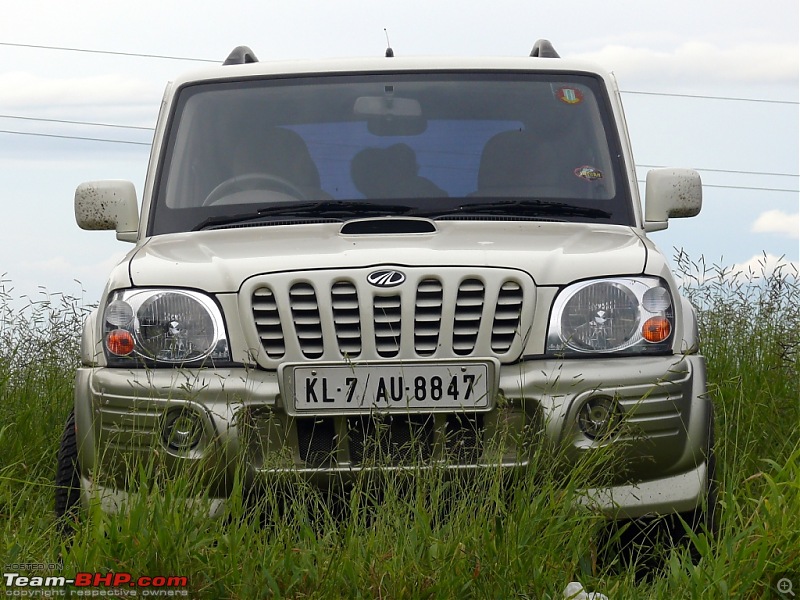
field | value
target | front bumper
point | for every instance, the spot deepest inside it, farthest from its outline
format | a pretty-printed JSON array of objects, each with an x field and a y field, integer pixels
[{"x": 659, "y": 450}]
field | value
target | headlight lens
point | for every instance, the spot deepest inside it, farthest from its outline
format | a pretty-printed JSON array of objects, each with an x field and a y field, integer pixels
[
  {"x": 163, "y": 326},
  {"x": 634, "y": 315}
]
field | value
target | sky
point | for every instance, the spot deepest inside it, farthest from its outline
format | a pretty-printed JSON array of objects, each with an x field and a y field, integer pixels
[{"x": 709, "y": 85}]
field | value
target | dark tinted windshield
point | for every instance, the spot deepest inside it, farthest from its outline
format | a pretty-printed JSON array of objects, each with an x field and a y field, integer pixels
[{"x": 434, "y": 145}]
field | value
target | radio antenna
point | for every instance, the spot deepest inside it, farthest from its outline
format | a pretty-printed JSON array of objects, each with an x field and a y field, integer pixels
[{"x": 389, "y": 51}]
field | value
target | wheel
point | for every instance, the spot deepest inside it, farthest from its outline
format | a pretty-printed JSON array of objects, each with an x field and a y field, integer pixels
[
  {"x": 703, "y": 519},
  {"x": 640, "y": 543},
  {"x": 68, "y": 481},
  {"x": 253, "y": 181}
]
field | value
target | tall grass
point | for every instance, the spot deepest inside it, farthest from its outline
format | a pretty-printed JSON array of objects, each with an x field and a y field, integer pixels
[
  {"x": 39, "y": 341},
  {"x": 430, "y": 536}
]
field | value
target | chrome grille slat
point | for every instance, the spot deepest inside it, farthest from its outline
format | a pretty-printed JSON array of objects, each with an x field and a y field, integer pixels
[
  {"x": 427, "y": 316},
  {"x": 306, "y": 319},
  {"x": 468, "y": 313},
  {"x": 268, "y": 323},
  {"x": 507, "y": 316},
  {"x": 386, "y": 316},
  {"x": 346, "y": 317},
  {"x": 332, "y": 315}
]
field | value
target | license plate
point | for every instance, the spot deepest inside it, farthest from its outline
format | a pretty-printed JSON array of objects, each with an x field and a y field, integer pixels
[{"x": 402, "y": 387}]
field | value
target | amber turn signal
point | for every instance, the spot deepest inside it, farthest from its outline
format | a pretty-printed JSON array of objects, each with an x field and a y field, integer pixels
[
  {"x": 119, "y": 342},
  {"x": 656, "y": 329}
]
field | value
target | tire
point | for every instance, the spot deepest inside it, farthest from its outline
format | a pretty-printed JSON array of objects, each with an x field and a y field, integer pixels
[
  {"x": 640, "y": 543},
  {"x": 704, "y": 518},
  {"x": 701, "y": 520},
  {"x": 67, "y": 480}
]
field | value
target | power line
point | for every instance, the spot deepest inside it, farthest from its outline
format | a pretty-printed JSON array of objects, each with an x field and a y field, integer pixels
[
  {"x": 706, "y": 97},
  {"x": 110, "y": 141},
  {"x": 90, "y": 139},
  {"x": 110, "y": 52},
  {"x": 742, "y": 187},
  {"x": 208, "y": 60},
  {"x": 94, "y": 124},
  {"x": 731, "y": 171},
  {"x": 74, "y": 137},
  {"x": 68, "y": 122}
]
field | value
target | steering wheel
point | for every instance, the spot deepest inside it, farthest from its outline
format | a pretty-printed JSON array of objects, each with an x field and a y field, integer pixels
[{"x": 253, "y": 181}]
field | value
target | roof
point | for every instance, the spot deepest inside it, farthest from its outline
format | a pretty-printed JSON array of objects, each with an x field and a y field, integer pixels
[{"x": 388, "y": 64}]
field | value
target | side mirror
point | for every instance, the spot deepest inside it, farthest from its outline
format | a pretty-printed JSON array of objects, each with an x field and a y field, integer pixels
[
  {"x": 104, "y": 205},
  {"x": 671, "y": 193}
]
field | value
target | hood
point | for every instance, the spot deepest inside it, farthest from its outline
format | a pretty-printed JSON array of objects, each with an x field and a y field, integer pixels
[{"x": 552, "y": 253}]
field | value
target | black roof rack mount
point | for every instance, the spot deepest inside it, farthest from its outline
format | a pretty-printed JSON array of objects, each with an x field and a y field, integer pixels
[
  {"x": 544, "y": 49},
  {"x": 241, "y": 55}
]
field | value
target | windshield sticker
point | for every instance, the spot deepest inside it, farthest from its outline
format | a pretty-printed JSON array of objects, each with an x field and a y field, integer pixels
[
  {"x": 569, "y": 95},
  {"x": 589, "y": 173}
]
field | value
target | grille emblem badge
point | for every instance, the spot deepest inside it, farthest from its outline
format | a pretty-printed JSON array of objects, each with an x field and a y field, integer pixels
[{"x": 386, "y": 278}]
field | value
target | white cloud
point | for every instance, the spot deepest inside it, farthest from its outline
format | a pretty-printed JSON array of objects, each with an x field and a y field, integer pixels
[
  {"x": 40, "y": 115},
  {"x": 61, "y": 264},
  {"x": 777, "y": 221},
  {"x": 763, "y": 265},
  {"x": 703, "y": 62},
  {"x": 21, "y": 90},
  {"x": 65, "y": 274},
  {"x": 758, "y": 267}
]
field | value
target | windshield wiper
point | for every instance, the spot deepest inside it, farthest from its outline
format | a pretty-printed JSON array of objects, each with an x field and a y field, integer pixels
[
  {"x": 521, "y": 207},
  {"x": 355, "y": 209},
  {"x": 320, "y": 208}
]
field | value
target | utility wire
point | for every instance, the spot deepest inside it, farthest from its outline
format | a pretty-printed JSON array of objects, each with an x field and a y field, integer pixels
[
  {"x": 75, "y": 137},
  {"x": 732, "y": 171},
  {"x": 89, "y": 123},
  {"x": 110, "y": 141},
  {"x": 67, "y": 122},
  {"x": 742, "y": 187},
  {"x": 90, "y": 139},
  {"x": 704, "y": 97},
  {"x": 208, "y": 60},
  {"x": 88, "y": 51}
]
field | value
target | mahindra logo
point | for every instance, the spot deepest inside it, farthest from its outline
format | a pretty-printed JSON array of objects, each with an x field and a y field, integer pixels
[{"x": 386, "y": 278}]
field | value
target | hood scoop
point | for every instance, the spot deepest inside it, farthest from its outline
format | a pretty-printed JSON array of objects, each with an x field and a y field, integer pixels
[{"x": 388, "y": 226}]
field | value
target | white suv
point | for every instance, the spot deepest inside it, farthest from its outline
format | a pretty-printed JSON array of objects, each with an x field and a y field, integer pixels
[{"x": 389, "y": 263}]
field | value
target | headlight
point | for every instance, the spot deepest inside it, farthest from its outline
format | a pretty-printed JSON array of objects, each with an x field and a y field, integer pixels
[
  {"x": 163, "y": 326},
  {"x": 630, "y": 315}
]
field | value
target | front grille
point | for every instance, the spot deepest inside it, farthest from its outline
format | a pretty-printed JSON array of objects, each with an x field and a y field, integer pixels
[
  {"x": 464, "y": 437},
  {"x": 336, "y": 315},
  {"x": 316, "y": 439},
  {"x": 395, "y": 439}
]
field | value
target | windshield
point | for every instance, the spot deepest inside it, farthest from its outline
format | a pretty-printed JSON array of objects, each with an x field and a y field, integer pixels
[{"x": 438, "y": 145}]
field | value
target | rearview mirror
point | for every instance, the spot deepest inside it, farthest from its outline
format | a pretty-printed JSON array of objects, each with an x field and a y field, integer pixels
[
  {"x": 387, "y": 106},
  {"x": 391, "y": 116}
]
